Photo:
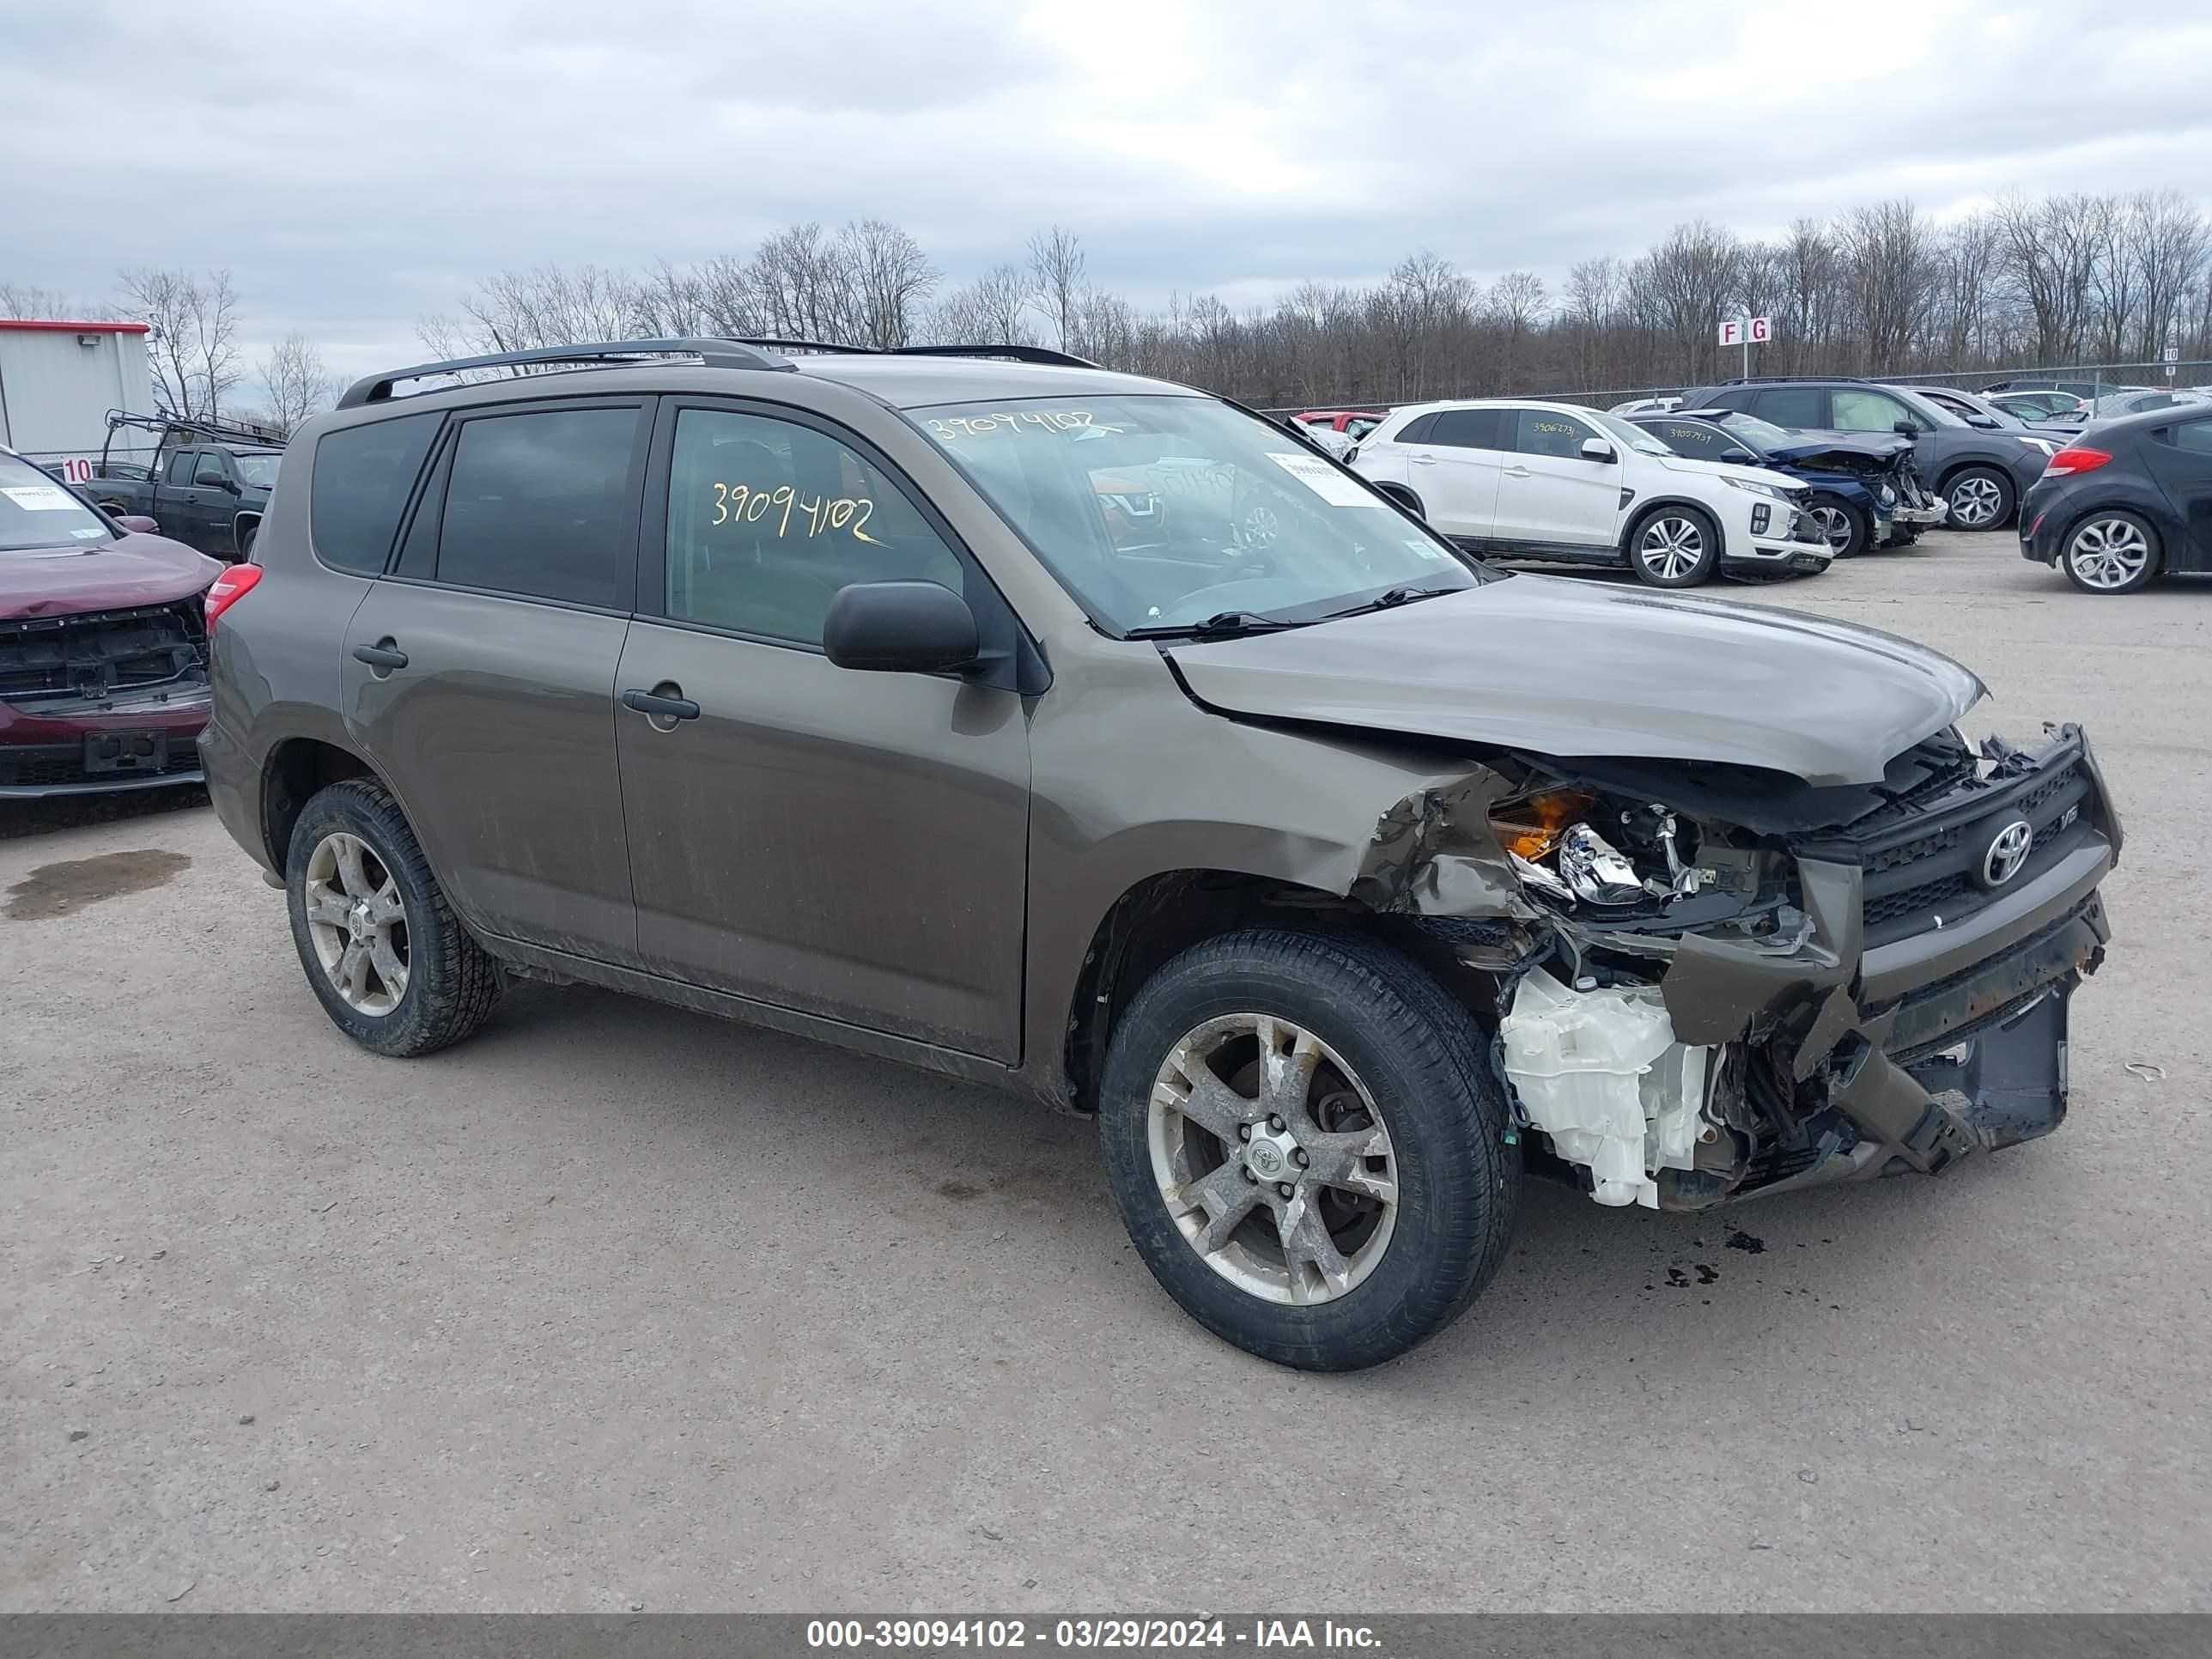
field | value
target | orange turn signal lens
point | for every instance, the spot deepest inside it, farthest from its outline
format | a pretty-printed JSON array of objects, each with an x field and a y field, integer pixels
[{"x": 1531, "y": 825}]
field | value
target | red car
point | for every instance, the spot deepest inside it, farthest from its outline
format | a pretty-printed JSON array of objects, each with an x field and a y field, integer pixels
[
  {"x": 103, "y": 644},
  {"x": 1339, "y": 429}
]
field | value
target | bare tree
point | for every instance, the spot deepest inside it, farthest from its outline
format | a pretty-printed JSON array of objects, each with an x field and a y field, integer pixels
[
  {"x": 1056, "y": 263},
  {"x": 191, "y": 342},
  {"x": 993, "y": 310},
  {"x": 889, "y": 276},
  {"x": 1517, "y": 302},
  {"x": 22, "y": 299},
  {"x": 2170, "y": 243},
  {"x": 1886, "y": 256},
  {"x": 804, "y": 288},
  {"x": 1694, "y": 275},
  {"x": 295, "y": 382}
]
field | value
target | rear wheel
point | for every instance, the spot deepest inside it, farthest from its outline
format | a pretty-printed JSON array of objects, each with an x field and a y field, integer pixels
[
  {"x": 383, "y": 951},
  {"x": 2110, "y": 552},
  {"x": 1981, "y": 498},
  {"x": 1305, "y": 1139},
  {"x": 1845, "y": 528},
  {"x": 1674, "y": 547}
]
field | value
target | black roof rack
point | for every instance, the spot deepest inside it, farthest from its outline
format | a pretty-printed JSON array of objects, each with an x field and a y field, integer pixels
[
  {"x": 714, "y": 354},
  {"x": 1783, "y": 379},
  {"x": 777, "y": 342},
  {"x": 1016, "y": 354},
  {"x": 252, "y": 433}
]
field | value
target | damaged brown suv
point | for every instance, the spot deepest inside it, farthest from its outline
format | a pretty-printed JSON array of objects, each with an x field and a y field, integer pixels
[{"x": 1071, "y": 731}]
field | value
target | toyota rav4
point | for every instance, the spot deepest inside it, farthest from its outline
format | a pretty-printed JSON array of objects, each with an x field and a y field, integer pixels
[{"x": 1074, "y": 731}]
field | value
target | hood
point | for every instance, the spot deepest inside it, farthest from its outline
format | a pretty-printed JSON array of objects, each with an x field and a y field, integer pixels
[
  {"x": 1780, "y": 481},
  {"x": 1809, "y": 450},
  {"x": 66, "y": 581},
  {"x": 1574, "y": 669}
]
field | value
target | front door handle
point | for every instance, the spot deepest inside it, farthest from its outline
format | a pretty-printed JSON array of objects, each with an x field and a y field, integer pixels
[
  {"x": 383, "y": 655},
  {"x": 1518, "y": 472},
  {"x": 657, "y": 705},
  {"x": 1422, "y": 460}
]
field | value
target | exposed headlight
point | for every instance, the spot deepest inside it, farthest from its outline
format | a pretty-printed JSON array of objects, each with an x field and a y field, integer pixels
[
  {"x": 1755, "y": 488},
  {"x": 1556, "y": 846},
  {"x": 1888, "y": 497}
]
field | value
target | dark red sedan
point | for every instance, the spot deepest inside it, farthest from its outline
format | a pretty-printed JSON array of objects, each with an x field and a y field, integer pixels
[{"x": 103, "y": 644}]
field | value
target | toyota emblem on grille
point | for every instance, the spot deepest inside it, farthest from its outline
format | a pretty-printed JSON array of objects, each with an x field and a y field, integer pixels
[{"x": 2008, "y": 852}]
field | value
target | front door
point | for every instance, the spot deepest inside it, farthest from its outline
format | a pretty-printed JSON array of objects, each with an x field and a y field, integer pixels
[
  {"x": 850, "y": 845},
  {"x": 1552, "y": 494},
  {"x": 2181, "y": 461},
  {"x": 479, "y": 677}
]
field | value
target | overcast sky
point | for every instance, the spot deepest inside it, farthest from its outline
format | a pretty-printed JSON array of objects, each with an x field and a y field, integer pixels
[{"x": 356, "y": 166}]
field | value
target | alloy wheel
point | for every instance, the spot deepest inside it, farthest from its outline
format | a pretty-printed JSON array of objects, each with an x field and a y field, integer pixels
[
  {"x": 1977, "y": 502},
  {"x": 1671, "y": 548},
  {"x": 2108, "y": 553},
  {"x": 358, "y": 923},
  {"x": 1834, "y": 526},
  {"x": 1272, "y": 1159}
]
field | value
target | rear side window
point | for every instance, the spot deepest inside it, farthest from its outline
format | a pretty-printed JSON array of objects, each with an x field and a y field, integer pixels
[
  {"x": 1740, "y": 398},
  {"x": 1417, "y": 430},
  {"x": 361, "y": 479},
  {"x": 2196, "y": 435},
  {"x": 1790, "y": 405},
  {"x": 1469, "y": 428},
  {"x": 536, "y": 504},
  {"x": 181, "y": 465}
]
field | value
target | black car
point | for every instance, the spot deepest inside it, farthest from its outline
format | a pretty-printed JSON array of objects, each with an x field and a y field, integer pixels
[
  {"x": 1980, "y": 472},
  {"x": 1865, "y": 492},
  {"x": 2132, "y": 499}
]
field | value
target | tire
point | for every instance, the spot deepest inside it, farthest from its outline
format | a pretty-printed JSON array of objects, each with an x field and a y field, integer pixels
[
  {"x": 1846, "y": 528},
  {"x": 1416, "y": 1063},
  {"x": 2111, "y": 551},
  {"x": 1980, "y": 498},
  {"x": 1672, "y": 531},
  {"x": 449, "y": 985},
  {"x": 252, "y": 534}
]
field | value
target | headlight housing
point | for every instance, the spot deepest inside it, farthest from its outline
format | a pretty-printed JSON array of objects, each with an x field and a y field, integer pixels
[{"x": 1753, "y": 486}]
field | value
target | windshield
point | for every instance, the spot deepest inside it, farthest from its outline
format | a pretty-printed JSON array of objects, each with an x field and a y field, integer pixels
[
  {"x": 1166, "y": 511},
  {"x": 1629, "y": 433},
  {"x": 35, "y": 512},
  {"x": 1762, "y": 435},
  {"x": 258, "y": 471}
]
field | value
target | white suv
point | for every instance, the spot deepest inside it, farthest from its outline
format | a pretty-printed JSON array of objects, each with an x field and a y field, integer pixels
[{"x": 1556, "y": 482}]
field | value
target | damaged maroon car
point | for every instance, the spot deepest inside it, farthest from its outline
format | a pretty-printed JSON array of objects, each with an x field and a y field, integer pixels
[{"x": 103, "y": 644}]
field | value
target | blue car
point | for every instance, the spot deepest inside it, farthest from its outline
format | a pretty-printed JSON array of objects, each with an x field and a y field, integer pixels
[{"x": 1865, "y": 492}]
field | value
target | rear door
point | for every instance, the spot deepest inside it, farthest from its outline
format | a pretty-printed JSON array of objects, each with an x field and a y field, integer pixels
[
  {"x": 1455, "y": 470},
  {"x": 1798, "y": 408},
  {"x": 2180, "y": 459},
  {"x": 850, "y": 845},
  {"x": 479, "y": 676},
  {"x": 1550, "y": 492}
]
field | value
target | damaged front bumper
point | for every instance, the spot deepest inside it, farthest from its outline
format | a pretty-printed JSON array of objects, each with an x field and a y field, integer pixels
[{"x": 1905, "y": 1008}]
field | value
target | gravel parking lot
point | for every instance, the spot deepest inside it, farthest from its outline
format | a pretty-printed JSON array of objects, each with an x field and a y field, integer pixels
[{"x": 618, "y": 1306}]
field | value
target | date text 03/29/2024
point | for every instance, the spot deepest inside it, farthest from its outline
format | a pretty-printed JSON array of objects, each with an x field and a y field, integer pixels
[{"x": 1086, "y": 1633}]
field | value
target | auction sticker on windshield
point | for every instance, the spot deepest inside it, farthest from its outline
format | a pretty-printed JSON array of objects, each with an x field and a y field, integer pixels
[
  {"x": 39, "y": 498},
  {"x": 1324, "y": 480}
]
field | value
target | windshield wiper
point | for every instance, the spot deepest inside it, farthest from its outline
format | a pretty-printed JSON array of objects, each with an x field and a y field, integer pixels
[
  {"x": 1388, "y": 599},
  {"x": 1221, "y": 625}
]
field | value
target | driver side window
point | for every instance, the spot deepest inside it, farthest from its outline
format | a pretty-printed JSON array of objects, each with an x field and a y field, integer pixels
[
  {"x": 1547, "y": 432},
  {"x": 769, "y": 519},
  {"x": 1857, "y": 411}
]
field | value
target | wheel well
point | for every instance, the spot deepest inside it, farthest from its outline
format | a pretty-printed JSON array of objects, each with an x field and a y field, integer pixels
[
  {"x": 1680, "y": 505},
  {"x": 1949, "y": 474},
  {"x": 295, "y": 770},
  {"x": 1166, "y": 915}
]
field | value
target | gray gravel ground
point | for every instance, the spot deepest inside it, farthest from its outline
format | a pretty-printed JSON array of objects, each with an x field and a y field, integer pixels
[{"x": 618, "y": 1305}]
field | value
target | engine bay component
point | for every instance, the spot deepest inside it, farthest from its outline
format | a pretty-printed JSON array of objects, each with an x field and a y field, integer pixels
[
  {"x": 1596, "y": 870},
  {"x": 1599, "y": 1071}
]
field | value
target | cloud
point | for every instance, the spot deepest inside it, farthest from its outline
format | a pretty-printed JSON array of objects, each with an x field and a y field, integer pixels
[{"x": 358, "y": 165}]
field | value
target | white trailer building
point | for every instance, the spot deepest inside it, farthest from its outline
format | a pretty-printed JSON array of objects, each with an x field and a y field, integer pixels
[{"x": 58, "y": 381}]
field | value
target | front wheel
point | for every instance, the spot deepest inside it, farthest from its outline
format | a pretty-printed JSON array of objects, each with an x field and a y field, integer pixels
[
  {"x": 1306, "y": 1142},
  {"x": 2110, "y": 552},
  {"x": 383, "y": 951},
  {"x": 1845, "y": 528},
  {"x": 1674, "y": 547},
  {"x": 1981, "y": 498}
]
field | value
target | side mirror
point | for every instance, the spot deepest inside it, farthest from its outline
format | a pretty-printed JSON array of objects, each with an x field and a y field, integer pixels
[
  {"x": 1988, "y": 423},
  {"x": 138, "y": 524},
  {"x": 1905, "y": 429},
  {"x": 899, "y": 628},
  {"x": 1739, "y": 458},
  {"x": 209, "y": 477},
  {"x": 1596, "y": 449}
]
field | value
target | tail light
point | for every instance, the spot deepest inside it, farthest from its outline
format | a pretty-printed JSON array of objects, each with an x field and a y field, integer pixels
[
  {"x": 233, "y": 585},
  {"x": 2073, "y": 460}
]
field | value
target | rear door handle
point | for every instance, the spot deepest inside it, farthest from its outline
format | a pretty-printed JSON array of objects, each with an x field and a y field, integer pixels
[
  {"x": 659, "y": 707},
  {"x": 1518, "y": 472},
  {"x": 383, "y": 655},
  {"x": 1422, "y": 460}
]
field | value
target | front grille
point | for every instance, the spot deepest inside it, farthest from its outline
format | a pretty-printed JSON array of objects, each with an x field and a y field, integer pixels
[
  {"x": 55, "y": 765},
  {"x": 99, "y": 653},
  {"x": 1911, "y": 901}
]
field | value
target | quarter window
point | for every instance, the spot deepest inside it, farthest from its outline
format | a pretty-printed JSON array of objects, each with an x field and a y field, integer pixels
[
  {"x": 2194, "y": 435},
  {"x": 767, "y": 519},
  {"x": 361, "y": 478},
  {"x": 536, "y": 504}
]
